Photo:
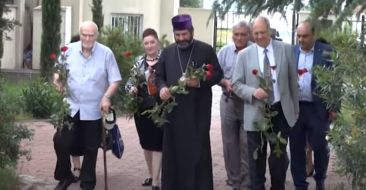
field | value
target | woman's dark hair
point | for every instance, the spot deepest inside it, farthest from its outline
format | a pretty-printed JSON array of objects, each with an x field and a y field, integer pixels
[
  {"x": 75, "y": 38},
  {"x": 150, "y": 32}
]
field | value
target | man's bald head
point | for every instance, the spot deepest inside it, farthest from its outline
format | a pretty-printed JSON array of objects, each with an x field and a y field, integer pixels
[
  {"x": 306, "y": 35},
  {"x": 261, "y": 31},
  {"x": 88, "y": 34},
  {"x": 89, "y": 25}
]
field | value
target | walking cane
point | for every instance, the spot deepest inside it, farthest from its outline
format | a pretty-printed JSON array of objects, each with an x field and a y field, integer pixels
[{"x": 104, "y": 155}]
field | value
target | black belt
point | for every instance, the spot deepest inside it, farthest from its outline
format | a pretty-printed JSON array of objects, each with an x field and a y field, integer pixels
[
  {"x": 305, "y": 102},
  {"x": 226, "y": 93},
  {"x": 231, "y": 95}
]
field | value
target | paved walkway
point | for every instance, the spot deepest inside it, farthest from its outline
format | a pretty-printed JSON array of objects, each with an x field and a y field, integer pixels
[{"x": 128, "y": 172}]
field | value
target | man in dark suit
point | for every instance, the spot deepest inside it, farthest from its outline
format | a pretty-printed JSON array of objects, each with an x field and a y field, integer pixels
[
  {"x": 276, "y": 58},
  {"x": 314, "y": 118}
]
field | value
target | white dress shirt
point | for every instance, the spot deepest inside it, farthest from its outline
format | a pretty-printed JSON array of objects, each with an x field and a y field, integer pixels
[
  {"x": 305, "y": 62},
  {"x": 270, "y": 55}
]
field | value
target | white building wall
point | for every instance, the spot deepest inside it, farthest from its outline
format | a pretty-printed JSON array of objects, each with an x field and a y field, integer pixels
[
  {"x": 37, "y": 37},
  {"x": 149, "y": 9},
  {"x": 75, "y": 12},
  {"x": 203, "y": 26},
  {"x": 170, "y": 8},
  {"x": 10, "y": 46},
  {"x": 157, "y": 14}
]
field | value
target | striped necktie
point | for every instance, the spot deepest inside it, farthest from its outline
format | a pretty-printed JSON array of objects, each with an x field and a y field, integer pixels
[{"x": 267, "y": 75}]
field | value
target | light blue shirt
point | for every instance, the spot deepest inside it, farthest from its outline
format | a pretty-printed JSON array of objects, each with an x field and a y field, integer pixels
[
  {"x": 305, "y": 61},
  {"x": 89, "y": 78},
  {"x": 227, "y": 58}
]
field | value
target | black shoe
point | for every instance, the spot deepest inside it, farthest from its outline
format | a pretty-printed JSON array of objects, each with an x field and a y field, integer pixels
[
  {"x": 155, "y": 188},
  {"x": 320, "y": 186},
  {"x": 76, "y": 174},
  {"x": 147, "y": 182},
  {"x": 64, "y": 184},
  {"x": 229, "y": 182}
]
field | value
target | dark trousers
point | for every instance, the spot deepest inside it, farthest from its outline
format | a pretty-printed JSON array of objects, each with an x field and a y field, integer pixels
[
  {"x": 277, "y": 165},
  {"x": 84, "y": 136},
  {"x": 313, "y": 123}
]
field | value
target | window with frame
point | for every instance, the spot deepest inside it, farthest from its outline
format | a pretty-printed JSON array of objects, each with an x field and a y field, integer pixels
[
  {"x": 131, "y": 23},
  {"x": 9, "y": 1}
]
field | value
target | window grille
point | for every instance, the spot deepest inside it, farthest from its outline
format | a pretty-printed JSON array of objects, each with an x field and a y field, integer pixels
[
  {"x": 131, "y": 23},
  {"x": 9, "y": 1}
]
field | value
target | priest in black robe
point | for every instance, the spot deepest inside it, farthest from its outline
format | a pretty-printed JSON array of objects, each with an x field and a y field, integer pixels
[{"x": 187, "y": 161}]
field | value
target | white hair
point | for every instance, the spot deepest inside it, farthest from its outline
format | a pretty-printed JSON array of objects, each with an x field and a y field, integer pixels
[
  {"x": 242, "y": 24},
  {"x": 89, "y": 23}
]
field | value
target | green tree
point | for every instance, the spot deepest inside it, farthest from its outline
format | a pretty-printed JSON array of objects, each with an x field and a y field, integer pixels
[
  {"x": 345, "y": 85},
  {"x": 341, "y": 8},
  {"x": 255, "y": 7},
  {"x": 5, "y": 26},
  {"x": 51, "y": 23},
  {"x": 126, "y": 49},
  {"x": 319, "y": 8},
  {"x": 97, "y": 11},
  {"x": 11, "y": 135},
  {"x": 190, "y": 3}
]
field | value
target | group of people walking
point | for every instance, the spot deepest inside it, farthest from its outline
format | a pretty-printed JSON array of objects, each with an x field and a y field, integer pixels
[
  {"x": 301, "y": 116},
  {"x": 179, "y": 151}
]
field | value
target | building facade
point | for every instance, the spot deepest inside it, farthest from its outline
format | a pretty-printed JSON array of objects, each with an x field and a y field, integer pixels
[{"x": 133, "y": 15}]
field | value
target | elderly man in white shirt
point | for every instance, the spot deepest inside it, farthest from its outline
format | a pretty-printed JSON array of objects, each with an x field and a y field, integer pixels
[{"x": 93, "y": 78}]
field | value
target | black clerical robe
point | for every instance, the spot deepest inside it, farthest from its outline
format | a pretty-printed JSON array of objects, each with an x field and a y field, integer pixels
[{"x": 186, "y": 144}]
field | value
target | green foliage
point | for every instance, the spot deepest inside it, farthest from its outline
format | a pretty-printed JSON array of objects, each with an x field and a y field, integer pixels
[
  {"x": 319, "y": 8},
  {"x": 345, "y": 84},
  {"x": 97, "y": 11},
  {"x": 39, "y": 98},
  {"x": 60, "y": 111},
  {"x": 10, "y": 133},
  {"x": 8, "y": 179},
  {"x": 190, "y": 3},
  {"x": 51, "y": 23},
  {"x": 341, "y": 9},
  {"x": 126, "y": 49},
  {"x": 164, "y": 42},
  {"x": 14, "y": 92},
  {"x": 254, "y": 7}
]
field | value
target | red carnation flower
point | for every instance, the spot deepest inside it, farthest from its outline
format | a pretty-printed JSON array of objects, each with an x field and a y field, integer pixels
[
  {"x": 255, "y": 72},
  {"x": 209, "y": 67},
  {"x": 127, "y": 54},
  {"x": 302, "y": 71},
  {"x": 53, "y": 56},
  {"x": 208, "y": 75},
  {"x": 63, "y": 49}
]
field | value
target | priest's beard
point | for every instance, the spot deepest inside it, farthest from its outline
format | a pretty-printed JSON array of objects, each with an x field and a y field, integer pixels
[{"x": 184, "y": 44}]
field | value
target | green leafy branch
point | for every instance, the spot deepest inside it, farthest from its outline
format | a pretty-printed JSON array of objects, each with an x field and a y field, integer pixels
[{"x": 159, "y": 111}]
